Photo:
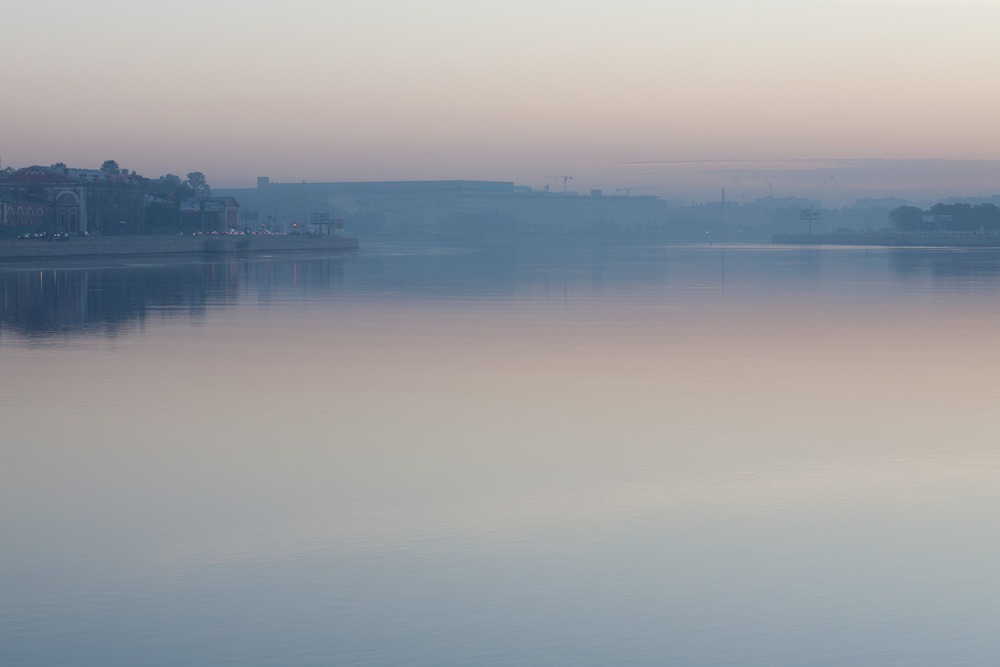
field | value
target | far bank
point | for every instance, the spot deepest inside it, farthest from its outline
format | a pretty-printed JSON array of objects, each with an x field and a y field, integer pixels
[
  {"x": 112, "y": 246},
  {"x": 894, "y": 239}
]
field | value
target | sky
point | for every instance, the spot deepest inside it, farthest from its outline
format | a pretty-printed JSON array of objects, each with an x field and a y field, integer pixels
[{"x": 677, "y": 98}]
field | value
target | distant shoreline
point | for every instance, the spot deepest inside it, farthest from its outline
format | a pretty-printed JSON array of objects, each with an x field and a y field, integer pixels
[
  {"x": 893, "y": 239},
  {"x": 118, "y": 246}
]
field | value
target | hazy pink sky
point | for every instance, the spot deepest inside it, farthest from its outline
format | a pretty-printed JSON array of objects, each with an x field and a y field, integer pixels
[{"x": 515, "y": 91}]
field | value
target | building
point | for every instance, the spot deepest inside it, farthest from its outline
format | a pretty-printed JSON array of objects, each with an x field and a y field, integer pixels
[
  {"x": 495, "y": 207},
  {"x": 20, "y": 209},
  {"x": 218, "y": 214},
  {"x": 76, "y": 201}
]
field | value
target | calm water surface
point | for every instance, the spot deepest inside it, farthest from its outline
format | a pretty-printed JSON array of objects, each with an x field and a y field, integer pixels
[{"x": 627, "y": 454}]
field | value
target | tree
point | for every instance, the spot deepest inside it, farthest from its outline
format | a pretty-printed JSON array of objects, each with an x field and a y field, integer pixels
[
  {"x": 906, "y": 218},
  {"x": 169, "y": 187},
  {"x": 956, "y": 217},
  {"x": 58, "y": 165},
  {"x": 988, "y": 217},
  {"x": 198, "y": 184},
  {"x": 110, "y": 167}
]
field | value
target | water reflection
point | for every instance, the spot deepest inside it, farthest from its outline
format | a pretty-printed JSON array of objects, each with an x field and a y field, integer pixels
[
  {"x": 47, "y": 300},
  {"x": 50, "y": 300},
  {"x": 946, "y": 263}
]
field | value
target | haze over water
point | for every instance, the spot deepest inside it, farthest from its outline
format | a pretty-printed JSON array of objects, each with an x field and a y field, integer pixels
[{"x": 600, "y": 454}]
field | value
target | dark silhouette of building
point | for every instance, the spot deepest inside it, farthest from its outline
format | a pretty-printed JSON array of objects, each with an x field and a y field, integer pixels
[{"x": 72, "y": 200}]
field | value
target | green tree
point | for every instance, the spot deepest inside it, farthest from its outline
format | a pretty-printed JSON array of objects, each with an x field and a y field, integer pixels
[
  {"x": 906, "y": 218},
  {"x": 198, "y": 184},
  {"x": 110, "y": 167},
  {"x": 169, "y": 187},
  {"x": 988, "y": 217}
]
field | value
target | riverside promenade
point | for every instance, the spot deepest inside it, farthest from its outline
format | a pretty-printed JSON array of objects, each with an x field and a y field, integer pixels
[{"x": 116, "y": 246}]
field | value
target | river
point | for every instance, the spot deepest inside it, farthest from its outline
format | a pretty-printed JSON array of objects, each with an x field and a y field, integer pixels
[{"x": 557, "y": 454}]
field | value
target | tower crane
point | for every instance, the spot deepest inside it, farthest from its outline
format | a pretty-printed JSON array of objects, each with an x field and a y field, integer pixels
[{"x": 565, "y": 180}]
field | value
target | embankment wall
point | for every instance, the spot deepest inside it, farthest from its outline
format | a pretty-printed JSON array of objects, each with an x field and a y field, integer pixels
[{"x": 160, "y": 245}]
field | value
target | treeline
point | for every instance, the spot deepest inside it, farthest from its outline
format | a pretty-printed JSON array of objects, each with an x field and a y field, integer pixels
[
  {"x": 165, "y": 194},
  {"x": 169, "y": 187},
  {"x": 947, "y": 218}
]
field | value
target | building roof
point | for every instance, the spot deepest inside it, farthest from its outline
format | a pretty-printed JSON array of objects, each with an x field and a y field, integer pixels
[{"x": 38, "y": 175}]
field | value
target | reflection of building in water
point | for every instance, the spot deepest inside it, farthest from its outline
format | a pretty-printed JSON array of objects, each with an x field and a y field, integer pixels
[
  {"x": 59, "y": 302},
  {"x": 945, "y": 264},
  {"x": 47, "y": 302},
  {"x": 72, "y": 200}
]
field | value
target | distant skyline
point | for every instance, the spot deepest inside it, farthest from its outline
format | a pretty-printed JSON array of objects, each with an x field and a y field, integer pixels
[{"x": 829, "y": 99}]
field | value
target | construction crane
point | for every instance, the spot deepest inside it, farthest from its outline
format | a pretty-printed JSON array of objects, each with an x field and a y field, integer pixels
[{"x": 565, "y": 180}]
